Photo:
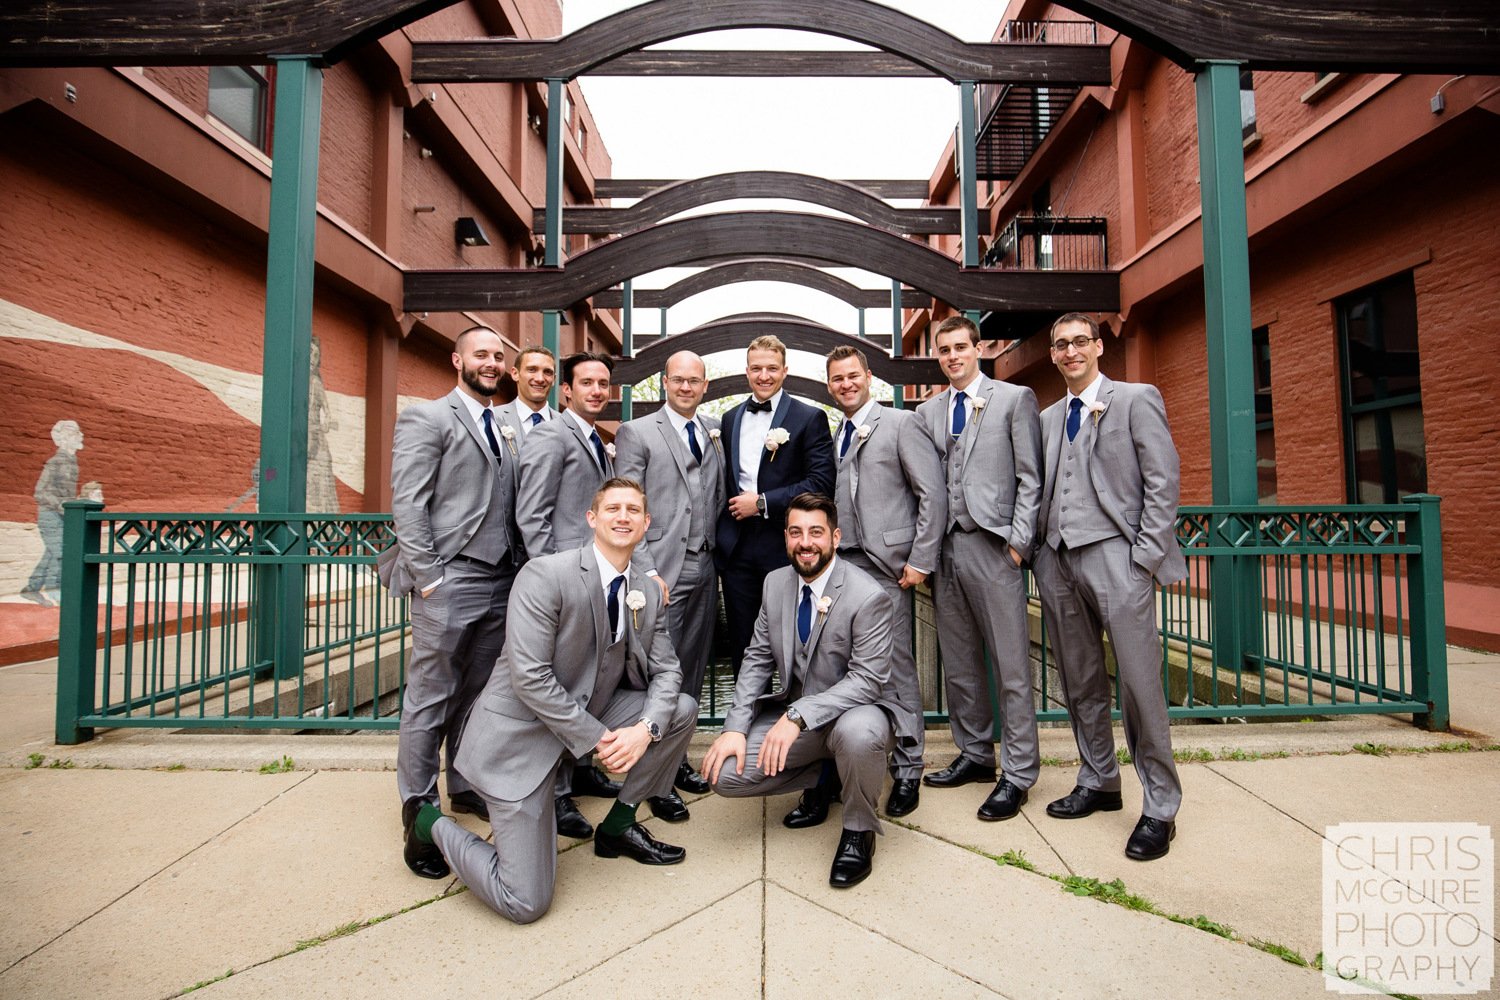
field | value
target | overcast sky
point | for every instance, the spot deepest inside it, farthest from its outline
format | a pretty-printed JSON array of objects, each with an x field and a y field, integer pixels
[{"x": 677, "y": 127}]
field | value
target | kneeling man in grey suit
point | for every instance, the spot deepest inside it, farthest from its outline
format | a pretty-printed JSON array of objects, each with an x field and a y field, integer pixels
[
  {"x": 1108, "y": 512},
  {"x": 587, "y": 667},
  {"x": 814, "y": 687}
]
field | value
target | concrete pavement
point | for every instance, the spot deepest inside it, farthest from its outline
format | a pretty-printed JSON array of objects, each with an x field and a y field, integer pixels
[{"x": 146, "y": 863}]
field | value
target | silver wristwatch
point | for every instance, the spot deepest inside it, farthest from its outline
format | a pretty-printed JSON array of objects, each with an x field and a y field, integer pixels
[{"x": 652, "y": 728}]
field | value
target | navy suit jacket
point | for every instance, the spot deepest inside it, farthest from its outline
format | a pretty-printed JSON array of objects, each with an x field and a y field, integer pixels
[{"x": 804, "y": 464}]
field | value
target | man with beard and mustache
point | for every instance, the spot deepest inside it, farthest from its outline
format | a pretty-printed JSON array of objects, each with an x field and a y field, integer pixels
[
  {"x": 811, "y": 709},
  {"x": 453, "y": 493}
]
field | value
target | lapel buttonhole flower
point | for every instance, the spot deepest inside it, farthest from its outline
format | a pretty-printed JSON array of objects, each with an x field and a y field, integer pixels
[
  {"x": 1097, "y": 409},
  {"x": 609, "y": 450},
  {"x": 635, "y": 601},
  {"x": 863, "y": 431},
  {"x": 774, "y": 440},
  {"x": 979, "y": 402},
  {"x": 824, "y": 603}
]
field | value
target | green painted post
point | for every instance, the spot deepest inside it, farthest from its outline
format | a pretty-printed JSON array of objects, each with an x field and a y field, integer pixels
[
  {"x": 552, "y": 230},
  {"x": 897, "y": 391},
  {"x": 1429, "y": 630},
  {"x": 78, "y": 625},
  {"x": 968, "y": 187},
  {"x": 280, "y": 606},
  {"x": 626, "y": 349},
  {"x": 1231, "y": 390}
]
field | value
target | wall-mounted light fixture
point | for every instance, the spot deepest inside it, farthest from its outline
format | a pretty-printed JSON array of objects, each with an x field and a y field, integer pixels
[
  {"x": 535, "y": 121},
  {"x": 467, "y": 232}
]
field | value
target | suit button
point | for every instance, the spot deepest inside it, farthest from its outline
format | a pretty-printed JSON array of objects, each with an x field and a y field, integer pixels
[{"x": 1066, "y": 490}]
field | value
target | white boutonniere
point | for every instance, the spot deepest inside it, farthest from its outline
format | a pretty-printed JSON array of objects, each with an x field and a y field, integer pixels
[
  {"x": 609, "y": 450},
  {"x": 863, "y": 431},
  {"x": 509, "y": 434},
  {"x": 635, "y": 601},
  {"x": 978, "y": 403},
  {"x": 713, "y": 435},
  {"x": 1097, "y": 409},
  {"x": 774, "y": 440},
  {"x": 824, "y": 603}
]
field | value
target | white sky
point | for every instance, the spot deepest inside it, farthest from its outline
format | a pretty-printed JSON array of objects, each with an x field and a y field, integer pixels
[{"x": 684, "y": 127}]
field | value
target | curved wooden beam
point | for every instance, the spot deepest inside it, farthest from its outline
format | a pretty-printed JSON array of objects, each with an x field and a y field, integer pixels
[
  {"x": 684, "y": 195},
  {"x": 640, "y": 187},
  {"x": 721, "y": 388},
  {"x": 760, "y": 234},
  {"x": 791, "y": 272},
  {"x": 631, "y": 30},
  {"x": 735, "y": 332}
]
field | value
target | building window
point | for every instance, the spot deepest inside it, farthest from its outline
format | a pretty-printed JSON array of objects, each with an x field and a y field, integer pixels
[
  {"x": 1384, "y": 445},
  {"x": 1247, "y": 103},
  {"x": 237, "y": 97},
  {"x": 1265, "y": 432}
]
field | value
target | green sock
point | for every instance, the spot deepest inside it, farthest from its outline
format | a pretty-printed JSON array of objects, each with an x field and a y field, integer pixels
[
  {"x": 621, "y": 815},
  {"x": 426, "y": 816}
]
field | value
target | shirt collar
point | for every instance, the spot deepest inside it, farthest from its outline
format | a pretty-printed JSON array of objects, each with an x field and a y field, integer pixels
[
  {"x": 607, "y": 571},
  {"x": 475, "y": 407},
  {"x": 775, "y": 402},
  {"x": 862, "y": 415},
  {"x": 678, "y": 420},
  {"x": 1089, "y": 393},
  {"x": 820, "y": 584},
  {"x": 972, "y": 389},
  {"x": 524, "y": 412},
  {"x": 584, "y": 424}
]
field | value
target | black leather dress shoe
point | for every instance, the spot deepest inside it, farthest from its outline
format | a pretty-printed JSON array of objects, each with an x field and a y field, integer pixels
[
  {"x": 1081, "y": 802},
  {"x": 636, "y": 843},
  {"x": 669, "y": 807},
  {"x": 423, "y": 859},
  {"x": 469, "y": 802},
  {"x": 1004, "y": 802},
  {"x": 812, "y": 808},
  {"x": 571, "y": 822},
  {"x": 961, "y": 772},
  {"x": 851, "y": 862},
  {"x": 691, "y": 781},
  {"x": 904, "y": 795},
  {"x": 1151, "y": 839},
  {"x": 589, "y": 780}
]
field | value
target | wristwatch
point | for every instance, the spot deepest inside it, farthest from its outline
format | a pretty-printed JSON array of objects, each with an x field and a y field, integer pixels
[
  {"x": 760, "y": 504},
  {"x": 652, "y": 728},
  {"x": 795, "y": 716}
]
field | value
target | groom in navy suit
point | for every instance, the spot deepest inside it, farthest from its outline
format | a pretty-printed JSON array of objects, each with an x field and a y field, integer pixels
[{"x": 775, "y": 448}]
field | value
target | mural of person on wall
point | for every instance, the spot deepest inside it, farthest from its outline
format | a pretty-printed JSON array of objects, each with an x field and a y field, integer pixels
[
  {"x": 322, "y": 491},
  {"x": 57, "y": 484},
  {"x": 250, "y": 499}
]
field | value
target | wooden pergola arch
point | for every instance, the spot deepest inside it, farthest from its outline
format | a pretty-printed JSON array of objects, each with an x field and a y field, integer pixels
[
  {"x": 787, "y": 271},
  {"x": 758, "y": 234},
  {"x": 679, "y": 197},
  {"x": 721, "y": 388}
]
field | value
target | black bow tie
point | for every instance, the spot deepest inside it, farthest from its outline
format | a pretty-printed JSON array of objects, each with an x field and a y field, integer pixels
[{"x": 758, "y": 407}]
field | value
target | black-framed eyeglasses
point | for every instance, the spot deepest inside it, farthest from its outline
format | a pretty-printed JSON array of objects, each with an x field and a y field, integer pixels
[{"x": 1077, "y": 343}]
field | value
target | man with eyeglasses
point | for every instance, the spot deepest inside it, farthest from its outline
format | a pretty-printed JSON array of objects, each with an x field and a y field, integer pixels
[
  {"x": 676, "y": 455},
  {"x": 991, "y": 442},
  {"x": 1109, "y": 509}
]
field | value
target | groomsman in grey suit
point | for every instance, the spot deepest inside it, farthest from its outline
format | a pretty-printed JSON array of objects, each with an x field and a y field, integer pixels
[
  {"x": 587, "y": 667},
  {"x": 533, "y": 372},
  {"x": 453, "y": 490},
  {"x": 893, "y": 509},
  {"x": 564, "y": 464},
  {"x": 989, "y": 434},
  {"x": 811, "y": 704},
  {"x": 1108, "y": 514},
  {"x": 676, "y": 455}
]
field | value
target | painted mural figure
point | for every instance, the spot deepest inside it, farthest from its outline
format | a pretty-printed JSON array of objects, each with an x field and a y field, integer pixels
[
  {"x": 322, "y": 491},
  {"x": 58, "y": 483}
]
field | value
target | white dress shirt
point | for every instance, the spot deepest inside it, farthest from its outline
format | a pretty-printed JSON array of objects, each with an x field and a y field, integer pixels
[
  {"x": 524, "y": 412},
  {"x": 607, "y": 573},
  {"x": 860, "y": 418},
  {"x": 970, "y": 391},
  {"x": 679, "y": 424},
  {"x": 753, "y": 430}
]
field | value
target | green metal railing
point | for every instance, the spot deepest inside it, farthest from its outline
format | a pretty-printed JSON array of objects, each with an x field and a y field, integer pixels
[{"x": 161, "y": 627}]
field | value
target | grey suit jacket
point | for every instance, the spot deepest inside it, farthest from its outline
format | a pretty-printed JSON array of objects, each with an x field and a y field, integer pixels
[
  {"x": 649, "y": 451},
  {"x": 559, "y": 477},
  {"x": 443, "y": 478},
  {"x": 539, "y": 699},
  {"x": 517, "y": 438},
  {"x": 1134, "y": 469},
  {"x": 1001, "y": 451},
  {"x": 901, "y": 505},
  {"x": 846, "y": 662}
]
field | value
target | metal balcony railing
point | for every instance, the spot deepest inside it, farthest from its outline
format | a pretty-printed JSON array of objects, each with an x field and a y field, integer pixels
[
  {"x": 1051, "y": 243},
  {"x": 1015, "y": 118}
]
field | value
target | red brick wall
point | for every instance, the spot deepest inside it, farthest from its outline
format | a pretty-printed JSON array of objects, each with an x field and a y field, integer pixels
[{"x": 345, "y": 149}]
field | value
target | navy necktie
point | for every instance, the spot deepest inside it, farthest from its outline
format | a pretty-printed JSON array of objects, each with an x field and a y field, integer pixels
[
  {"x": 848, "y": 434},
  {"x": 804, "y": 615},
  {"x": 599, "y": 450},
  {"x": 536, "y": 418},
  {"x": 693, "y": 443},
  {"x": 1075, "y": 416},
  {"x": 758, "y": 405},
  {"x": 959, "y": 416},
  {"x": 613, "y": 605},
  {"x": 489, "y": 431}
]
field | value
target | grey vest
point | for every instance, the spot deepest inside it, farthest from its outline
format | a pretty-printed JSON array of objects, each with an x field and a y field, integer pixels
[
  {"x": 611, "y": 676},
  {"x": 699, "y": 536},
  {"x": 844, "y": 498},
  {"x": 1073, "y": 512},
  {"x": 493, "y": 539},
  {"x": 958, "y": 507}
]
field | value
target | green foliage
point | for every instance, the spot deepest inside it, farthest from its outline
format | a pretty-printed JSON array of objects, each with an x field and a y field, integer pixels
[
  {"x": 208, "y": 982},
  {"x": 61, "y": 764},
  {"x": 1016, "y": 859},
  {"x": 1281, "y": 951},
  {"x": 1204, "y": 924},
  {"x": 35, "y": 760},
  {"x": 281, "y": 766},
  {"x": 1192, "y": 756},
  {"x": 1373, "y": 749},
  {"x": 1123, "y": 756},
  {"x": 1113, "y": 891}
]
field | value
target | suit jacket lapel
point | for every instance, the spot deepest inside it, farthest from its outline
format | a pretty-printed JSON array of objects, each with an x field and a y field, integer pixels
[
  {"x": 1052, "y": 442},
  {"x": 831, "y": 591},
  {"x": 588, "y": 565},
  {"x": 788, "y": 636},
  {"x": 461, "y": 414},
  {"x": 731, "y": 436},
  {"x": 585, "y": 443},
  {"x": 938, "y": 421},
  {"x": 1104, "y": 395},
  {"x": 637, "y": 667},
  {"x": 776, "y": 418},
  {"x": 674, "y": 444}
]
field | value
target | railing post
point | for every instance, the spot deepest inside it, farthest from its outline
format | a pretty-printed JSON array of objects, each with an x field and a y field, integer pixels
[
  {"x": 552, "y": 230},
  {"x": 78, "y": 626},
  {"x": 1429, "y": 630},
  {"x": 1237, "y": 603},
  {"x": 968, "y": 185},
  {"x": 898, "y": 392},
  {"x": 627, "y": 349}
]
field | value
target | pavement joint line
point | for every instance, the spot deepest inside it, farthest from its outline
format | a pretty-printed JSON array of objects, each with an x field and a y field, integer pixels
[
  {"x": 886, "y": 937},
  {"x": 764, "y": 902},
  {"x": 634, "y": 944},
  {"x": 177, "y": 860},
  {"x": 1055, "y": 852}
]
